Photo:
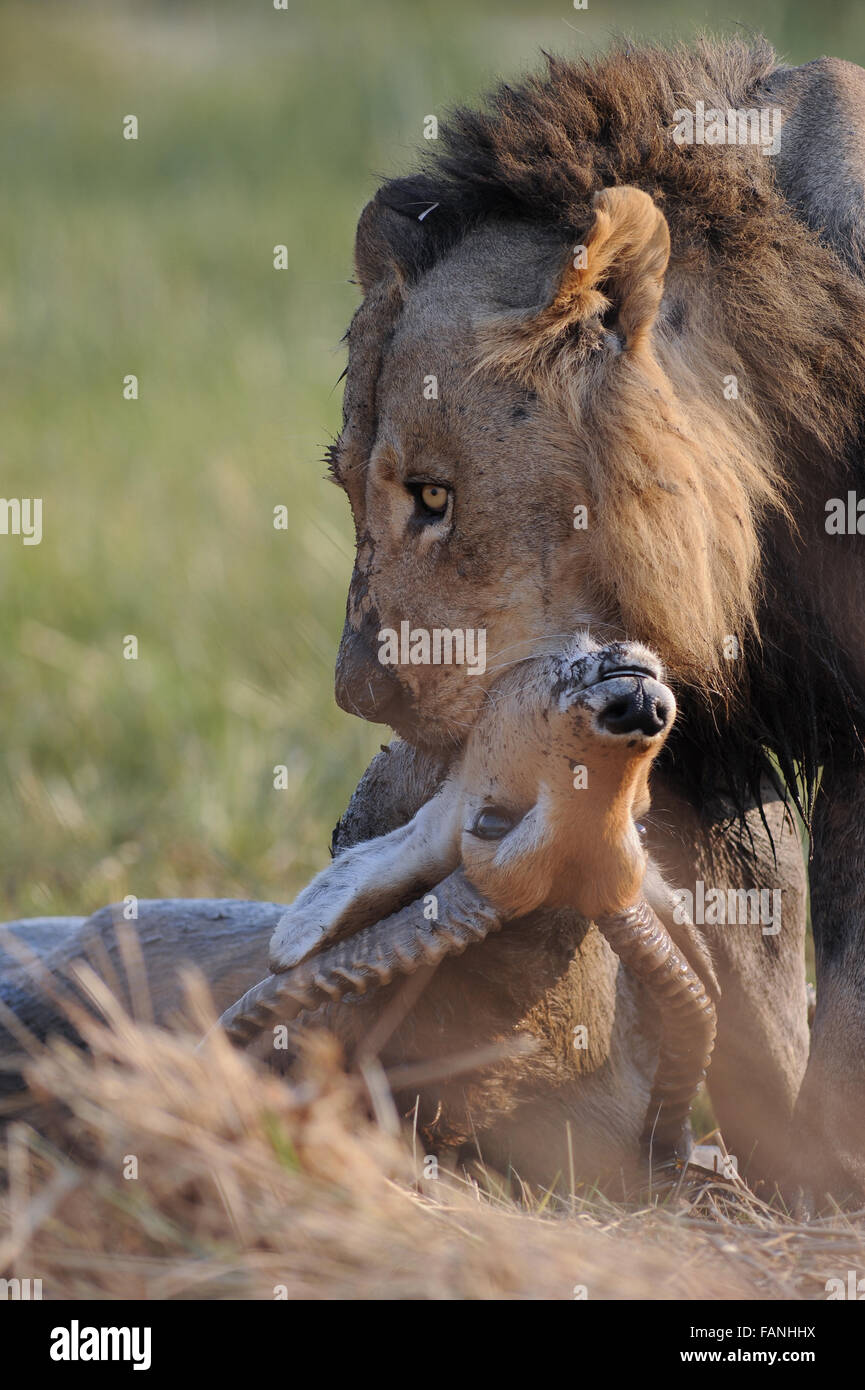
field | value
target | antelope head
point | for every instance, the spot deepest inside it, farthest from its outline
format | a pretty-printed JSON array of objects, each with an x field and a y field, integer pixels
[{"x": 541, "y": 809}]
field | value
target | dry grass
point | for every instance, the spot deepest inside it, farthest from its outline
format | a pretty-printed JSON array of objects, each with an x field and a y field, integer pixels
[{"x": 246, "y": 1184}]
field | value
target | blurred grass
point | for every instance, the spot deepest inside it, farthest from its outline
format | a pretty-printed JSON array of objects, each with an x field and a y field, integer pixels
[{"x": 154, "y": 257}]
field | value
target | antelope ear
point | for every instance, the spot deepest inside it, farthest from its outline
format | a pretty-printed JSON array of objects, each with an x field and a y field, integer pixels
[
  {"x": 370, "y": 880},
  {"x": 621, "y": 264}
]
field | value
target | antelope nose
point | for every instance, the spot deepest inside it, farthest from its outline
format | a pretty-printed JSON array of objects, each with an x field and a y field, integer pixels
[{"x": 644, "y": 707}]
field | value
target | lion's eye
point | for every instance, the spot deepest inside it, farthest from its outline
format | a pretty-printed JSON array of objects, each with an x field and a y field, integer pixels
[
  {"x": 431, "y": 499},
  {"x": 434, "y": 497},
  {"x": 492, "y": 823}
]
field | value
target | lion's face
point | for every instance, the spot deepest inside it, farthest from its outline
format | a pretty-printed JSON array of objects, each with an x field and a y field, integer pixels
[
  {"x": 464, "y": 506},
  {"x": 520, "y": 465},
  {"x": 455, "y": 530}
]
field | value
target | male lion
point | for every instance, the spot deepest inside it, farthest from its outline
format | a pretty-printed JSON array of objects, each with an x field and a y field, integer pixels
[{"x": 604, "y": 379}]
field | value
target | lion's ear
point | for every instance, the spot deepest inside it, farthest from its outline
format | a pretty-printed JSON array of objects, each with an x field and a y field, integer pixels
[
  {"x": 621, "y": 264},
  {"x": 403, "y": 231},
  {"x": 374, "y": 255},
  {"x": 391, "y": 238}
]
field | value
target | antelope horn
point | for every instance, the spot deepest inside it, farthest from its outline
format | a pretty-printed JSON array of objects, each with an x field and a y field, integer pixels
[
  {"x": 397, "y": 945},
  {"x": 640, "y": 939}
]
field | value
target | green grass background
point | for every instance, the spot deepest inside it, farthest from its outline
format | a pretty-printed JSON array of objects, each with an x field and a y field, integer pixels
[{"x": 257, "y": 127}]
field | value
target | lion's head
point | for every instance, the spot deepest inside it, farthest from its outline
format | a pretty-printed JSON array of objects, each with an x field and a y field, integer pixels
[{"x": 566, "y": 392}]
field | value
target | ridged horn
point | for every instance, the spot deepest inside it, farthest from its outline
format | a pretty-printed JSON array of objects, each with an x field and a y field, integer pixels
[
  {"x": 397, "y": 945},
  {"x": 688, "y": 1022}
]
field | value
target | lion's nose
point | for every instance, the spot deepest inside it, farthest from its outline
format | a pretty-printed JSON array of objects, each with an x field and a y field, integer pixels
[
  {"x": 363, "y": 686},
  {"x": 644, "y": 707}
]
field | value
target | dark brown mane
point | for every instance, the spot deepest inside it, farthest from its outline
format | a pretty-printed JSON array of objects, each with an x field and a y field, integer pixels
[{"x": 791, "y": 312}]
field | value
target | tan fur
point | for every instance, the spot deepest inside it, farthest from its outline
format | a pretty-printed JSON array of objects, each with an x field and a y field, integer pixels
[
  {"x": 572, "y": 849},
  {"x": 626, "y": 252},
  {"x": 570, "y": 846},
  {"x": 575, "y": 847},
  {"x": 677, "y": 494},
  {"x": 706, "y": 510},
  {"x": 676, "y": 485},
  {"x": 697, "y": 272}
]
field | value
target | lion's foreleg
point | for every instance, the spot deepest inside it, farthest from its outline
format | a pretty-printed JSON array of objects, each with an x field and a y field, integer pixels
[
  {"x": 829, "y": 1129},
  {"x": 762, "y": 1044}
]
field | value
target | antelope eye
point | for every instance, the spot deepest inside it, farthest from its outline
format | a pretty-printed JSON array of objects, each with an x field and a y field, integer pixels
[{"x": 492, "y": 823}]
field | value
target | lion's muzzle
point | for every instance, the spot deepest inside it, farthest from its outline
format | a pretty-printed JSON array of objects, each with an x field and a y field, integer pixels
[{"x": 363, "y": 686}]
